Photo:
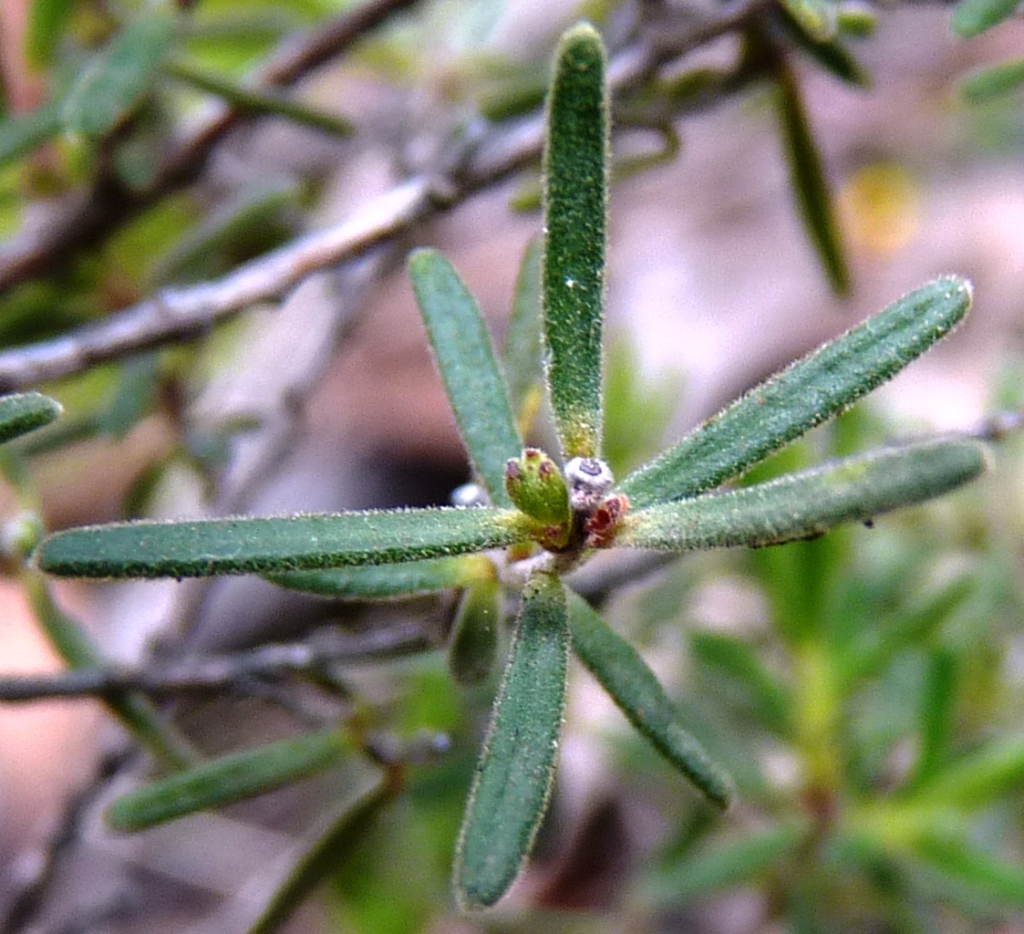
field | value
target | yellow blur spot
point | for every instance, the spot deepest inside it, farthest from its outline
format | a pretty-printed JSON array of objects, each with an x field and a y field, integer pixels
[{"x": 881, "y": 208}]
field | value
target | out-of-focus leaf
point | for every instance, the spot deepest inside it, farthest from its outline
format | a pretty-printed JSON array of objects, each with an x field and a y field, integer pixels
[
  {"x": 971, "y": 18},
  {"x": 978, "y": 778},
  {"x": 938, "y": 707},
  {"x": 21, "y": 135},
  {"x": 808, "y": 178},
  {"x": 25, "y": 411},
  {"x": 473, "y": 646},
  {"x": 47, "y": 20},
  {"x": 716, "y": 866},
  {"x": 639, "y": 695},
  {"x": 832, "y": 55},
  {"x": 818, "y": 18},
  {"x": 808, "y": 393},
  {"x": 465, "y": 357},
  {"x": 985, "y": 879},
  {"x": 737, "y": 664},
  {"x": 229, "y": 779},
  {"x": 120, "y": 76},
  {"x": 516, "y": 769},
  {"x": 1001, "y": 79},
  {"x": 266, "y": 546},
  {"x": 575, "y": 212},
  {"x": 522, "y": 353}
]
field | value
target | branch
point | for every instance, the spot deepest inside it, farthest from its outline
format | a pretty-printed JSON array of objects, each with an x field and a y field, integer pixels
[
  {"x": 183, "y": 314},
  {"x": 89, "y": 220},
  {"x": 216, "y": 672}
]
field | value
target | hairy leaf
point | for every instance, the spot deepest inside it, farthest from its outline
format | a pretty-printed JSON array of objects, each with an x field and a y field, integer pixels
[
  {"x": 465, "y": 357},
  {"x": 25, "y": 411},
  {"x": 264, "y": 546},
  {"x": 514, "y": 775},
  {"x": 523, "y": 353},
  {"x": 381, "y": 582},
  {"x": 805, "y": 504},
  {"x": 637, "y": 692},
  {"x": 575, "y": 209},
  {"x": 229, "y": 779},
  {"x": 809, "y": 392}
]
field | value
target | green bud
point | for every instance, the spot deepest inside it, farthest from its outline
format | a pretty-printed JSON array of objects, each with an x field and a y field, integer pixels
[{"x": 536, "y": 486}]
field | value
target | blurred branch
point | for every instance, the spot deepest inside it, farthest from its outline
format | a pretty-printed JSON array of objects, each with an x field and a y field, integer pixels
[
  {"x": 486, "y": 156},
  {"x": 308, "y": 657},
  {"x": 91, "y": 219}
]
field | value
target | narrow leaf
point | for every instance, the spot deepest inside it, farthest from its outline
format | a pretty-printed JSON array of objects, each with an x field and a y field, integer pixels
[
  {"x": 818, "y": 18},
  {"x": 135, "y": 711},
  {"x": 465, "y": 357},
  {"x": 329, "y": 851},
  {"x": 575, "y": 219},
  {"x": 224, "y": 781},
  {"x": 473, "y": 647},
  {"x": 809, "y": 392},
  {"x": 982, "y": 877},
  {"x": 973, "y": 17},
  {"x": 264, "y": 546},
  {"x": 806, "y": 504},
  {"x": 24, "y": 134},
  {"x": 978, "y": 778},
  {"x": 807, "y": 174},
  {"x": 24, "y": 412},
  {"x": 938, "y": 709},
  {"x": 637, "y": 692},
  {"x": 514, "y": 775},
  {"x": 120, "y": 76},
  {"x": 736, "y": 664},
  {"x": 731, "y": 862},
  {"x": 46, "y": 21},
  {"x": 1001, "y": 79},
  {"x": 523, "y": 353},
  {"x": 381, "y": 582}
]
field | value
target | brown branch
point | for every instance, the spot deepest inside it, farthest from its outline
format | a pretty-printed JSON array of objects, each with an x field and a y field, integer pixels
[{"x": 217, "y": 672}]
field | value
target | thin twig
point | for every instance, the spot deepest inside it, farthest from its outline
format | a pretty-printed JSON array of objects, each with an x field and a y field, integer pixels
[
  {"x": 216, "y": 672},
  {"x": 182, "y": 314},
  {"x": 89, "y": 220}
]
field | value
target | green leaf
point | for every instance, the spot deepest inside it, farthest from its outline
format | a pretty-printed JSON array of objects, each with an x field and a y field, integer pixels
[
  {"x": 807, "y": 174},
  {"x": 809, "y": 392},
  {"x": 637, "y": 692},
  {"x": 818, "y": 18},
  {"x": 979, "y": 875},
  {"x": 473, "y": 646},
  {"x": 381, "y": 582},
  {"x": 329, "y": 851},
  {"x": 938, "y": 709},
  {"x": 523, "y": 353},
  {"x": 806, "y": 504},
  {"x": 118, "y": 78},
  {"x": 465, "y": 357},
  {"x": 229, "y": 779},
  {"x": 734, "y": 663},
  {"x": 260, "y": 546},
  {"x": 24, "y": 412},
  {"x": 575, "y": 219},
  {"x": 971, "y": 18},
  {"x": 135, "y": 711},
  {"x": 732, "y": 862},
  {"x": 514, "y": 775},
  {"x": 978, "y": 778},
  {"x": 831, "y": 55},
  {"x": 22, "y": 135},
  {"x": 1001, "y": 79},
  {"x": 46, "y": 21}
]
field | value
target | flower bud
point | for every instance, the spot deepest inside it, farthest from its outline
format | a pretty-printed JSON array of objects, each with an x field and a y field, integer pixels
[{"x": 536, "y": 486}]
